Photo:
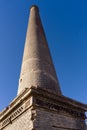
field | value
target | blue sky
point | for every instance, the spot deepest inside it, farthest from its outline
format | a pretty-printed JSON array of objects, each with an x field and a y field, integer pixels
[{"x": 65, "y": 25}]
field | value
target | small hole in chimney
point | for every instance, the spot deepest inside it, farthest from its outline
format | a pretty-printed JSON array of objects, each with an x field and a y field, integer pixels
[{"x": 20, "y": 80}]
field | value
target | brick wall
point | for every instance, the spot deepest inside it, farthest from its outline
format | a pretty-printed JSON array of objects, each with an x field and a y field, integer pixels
[
  {"x": 46, "y": 120},
  {"x": 23, "y": 122}
]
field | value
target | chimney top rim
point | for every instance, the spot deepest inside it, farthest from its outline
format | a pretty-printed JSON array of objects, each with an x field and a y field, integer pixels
[{"x": 34, "y": 6}]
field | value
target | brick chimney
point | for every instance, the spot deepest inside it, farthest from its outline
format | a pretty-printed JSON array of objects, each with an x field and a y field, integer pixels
[{"x": 37, "y": 67}]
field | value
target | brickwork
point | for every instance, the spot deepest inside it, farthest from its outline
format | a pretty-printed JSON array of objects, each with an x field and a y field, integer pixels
[
  {"x": 47, "y": 120},
  {"x": 21, "y": 123},
  {"x": 37, "y": 66},
  {"x": 18, "y": 114},
  {"x": 58, "y": 113},
  {"x": 37, "y": 109}
]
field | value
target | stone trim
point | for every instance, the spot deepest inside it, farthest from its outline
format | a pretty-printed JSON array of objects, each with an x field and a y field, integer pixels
[
  {"x": 14, "y": 103},
  {"x": 19, "y": 106},
  {"x": 42, "y": 98},
  {"x": 14, "y": 115},
  {"x": 58, "y": 108},
  {"x": 58, "y": 98}
]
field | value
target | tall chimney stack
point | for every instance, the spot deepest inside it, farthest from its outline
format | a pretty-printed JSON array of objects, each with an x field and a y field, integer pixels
[{"x": 37, "y": 67}]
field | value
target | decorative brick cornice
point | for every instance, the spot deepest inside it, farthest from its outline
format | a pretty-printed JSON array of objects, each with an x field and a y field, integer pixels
[
  {"x": 15, "y": 102},
  {"x": 37, "y": 97},
  {"x": 58, "y": 98},
  {"x": 18, "y": 106},
  {"x": 59, "y": 108}
]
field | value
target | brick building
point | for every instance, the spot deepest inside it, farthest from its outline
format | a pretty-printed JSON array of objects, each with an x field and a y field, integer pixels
[{"x": 39, "y": 104}]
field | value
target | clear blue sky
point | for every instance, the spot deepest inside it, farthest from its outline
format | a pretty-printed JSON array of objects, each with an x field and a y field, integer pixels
[{"x": 65, "y": 24}]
